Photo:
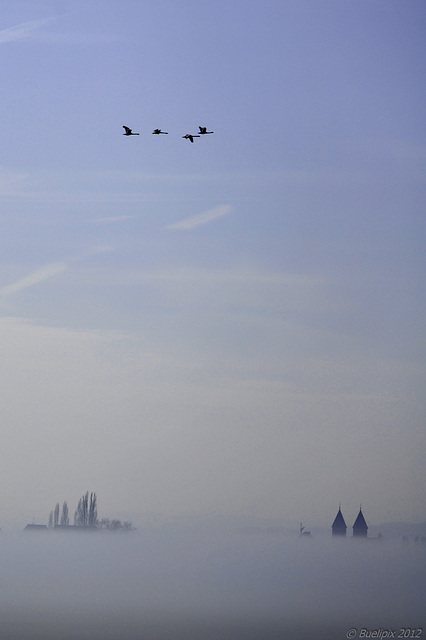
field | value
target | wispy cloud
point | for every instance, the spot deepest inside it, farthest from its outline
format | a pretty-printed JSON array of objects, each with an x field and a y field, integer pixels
[
  {"x": 23, "y": 30},
  {"x": 50, "y": 270},
  {"x": 34, "y": 278},
  {"x": 201, "y": 218}
]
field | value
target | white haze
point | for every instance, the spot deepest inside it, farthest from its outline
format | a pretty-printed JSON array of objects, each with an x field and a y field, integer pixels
[{"x": 189, "y": 585}]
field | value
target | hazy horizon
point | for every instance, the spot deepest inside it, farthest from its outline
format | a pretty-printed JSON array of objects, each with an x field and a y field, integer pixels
[{"x": 148, "y": 521}]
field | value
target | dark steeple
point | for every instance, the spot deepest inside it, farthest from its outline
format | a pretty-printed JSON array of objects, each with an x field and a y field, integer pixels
[
  {"x": 338, "y": 527},
  {"x": 360, "y": 526}
]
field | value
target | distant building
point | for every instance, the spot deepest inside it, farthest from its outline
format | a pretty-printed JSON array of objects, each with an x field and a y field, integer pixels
[
  {"x": 73, "y": 528},
  {"x": 338, "y": 528},
  {"x": 360, "y": 526},
  {"x": 36, "y": 527}
]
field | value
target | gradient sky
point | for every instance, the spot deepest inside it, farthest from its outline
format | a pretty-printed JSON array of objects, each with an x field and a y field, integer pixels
[{"x": 233, "y": 326}]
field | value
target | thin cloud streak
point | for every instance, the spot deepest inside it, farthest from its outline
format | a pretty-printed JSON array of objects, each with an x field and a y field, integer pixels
[
  {"x": 23, "y": 30},
  {"x": 49, "y": 271},
  {"x": 202, "y": 218},
  {"x": 34, "y": 278}
]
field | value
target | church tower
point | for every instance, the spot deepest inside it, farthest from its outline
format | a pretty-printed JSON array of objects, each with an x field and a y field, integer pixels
[
  {"x": 360, "y": 526},
  {"x": 338, "y": 528}
]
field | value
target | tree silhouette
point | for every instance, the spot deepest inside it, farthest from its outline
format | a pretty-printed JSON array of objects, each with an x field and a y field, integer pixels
[
  {"x": 86, "y": 514},
  {"x": 93, "y": 510},
  {"x": 65, "y": 520},
  {"x": 115, "y": 525}
]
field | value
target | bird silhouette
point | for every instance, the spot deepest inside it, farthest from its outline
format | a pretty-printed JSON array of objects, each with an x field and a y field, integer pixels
[
  {"x": 190, "y": 136},
  {"x": 128, "y": 132},
  {"x": 158, "y": 131},
  {"x": 203, "y": 130}
]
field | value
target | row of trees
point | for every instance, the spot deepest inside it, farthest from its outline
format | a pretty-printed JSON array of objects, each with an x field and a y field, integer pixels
[
  {"x": 54, "y": 516},
  {"x": 115, "y": 525},
  {"x": 86, "y": 515}
]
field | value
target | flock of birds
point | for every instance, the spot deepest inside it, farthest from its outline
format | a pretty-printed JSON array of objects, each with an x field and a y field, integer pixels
[{"x": 188, "y": 136}]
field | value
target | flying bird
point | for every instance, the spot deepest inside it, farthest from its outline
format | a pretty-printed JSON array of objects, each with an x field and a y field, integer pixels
[
  {"x": 203, "y": 130},
  {"x": 158, "y": 131},
  {"x": 128, "y": 132},
  {"x": 190, "y": 136}
]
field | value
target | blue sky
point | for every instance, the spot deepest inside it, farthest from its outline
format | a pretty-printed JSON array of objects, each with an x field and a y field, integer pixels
[{"x": 233, "y": 326}]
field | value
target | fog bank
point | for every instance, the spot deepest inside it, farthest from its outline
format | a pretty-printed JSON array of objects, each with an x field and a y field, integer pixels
[{"x": 200, "y": 585}]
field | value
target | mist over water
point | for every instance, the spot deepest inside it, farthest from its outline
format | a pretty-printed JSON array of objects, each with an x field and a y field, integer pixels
[{"x": 168, "y": 584}]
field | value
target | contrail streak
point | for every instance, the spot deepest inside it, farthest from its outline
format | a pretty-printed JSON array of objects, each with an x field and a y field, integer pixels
[
  {"x": 202, "y": 218},
  {"x": 22, "y": 30},
  {"x": 48, "y": 271}
]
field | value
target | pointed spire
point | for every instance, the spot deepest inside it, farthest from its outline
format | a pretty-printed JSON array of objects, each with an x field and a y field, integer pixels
[
  {"x": 339, "y": 525},
  {"x": 360, "y": 526}
]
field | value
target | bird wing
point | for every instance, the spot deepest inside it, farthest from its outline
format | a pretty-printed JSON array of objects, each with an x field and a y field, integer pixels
[{"x": 127, "y": 130}]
